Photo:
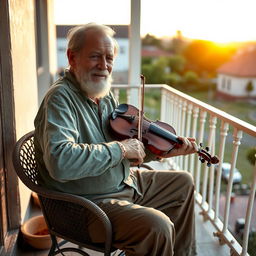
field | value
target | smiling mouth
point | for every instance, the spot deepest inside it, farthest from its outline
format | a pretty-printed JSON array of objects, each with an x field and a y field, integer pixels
[{"x": 101, "y": 76}]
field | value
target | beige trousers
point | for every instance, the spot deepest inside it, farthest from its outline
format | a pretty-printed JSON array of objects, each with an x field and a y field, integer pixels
[{"x": 158, "y": 223}]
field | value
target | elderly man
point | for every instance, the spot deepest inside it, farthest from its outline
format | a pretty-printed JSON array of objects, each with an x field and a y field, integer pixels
[{"x": 151, "y": 211}]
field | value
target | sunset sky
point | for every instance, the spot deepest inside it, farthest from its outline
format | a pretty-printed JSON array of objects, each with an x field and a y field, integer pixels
[{"x": 215, "y": 20}]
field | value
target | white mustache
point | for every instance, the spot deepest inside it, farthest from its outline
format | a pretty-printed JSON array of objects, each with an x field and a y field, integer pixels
[{"x": 101, "y": 73}]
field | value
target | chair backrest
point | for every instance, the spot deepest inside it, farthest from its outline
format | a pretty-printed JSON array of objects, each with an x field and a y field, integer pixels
[
  {"x": 74, "y": 210},
  {"x": 24, "y": 161}
]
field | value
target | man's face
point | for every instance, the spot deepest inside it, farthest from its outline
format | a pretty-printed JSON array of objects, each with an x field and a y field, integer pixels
[{"x": 93, "y": 64}]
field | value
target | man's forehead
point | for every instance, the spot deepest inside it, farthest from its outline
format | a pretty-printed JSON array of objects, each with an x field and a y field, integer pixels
[{"x": 96, "y": 41}]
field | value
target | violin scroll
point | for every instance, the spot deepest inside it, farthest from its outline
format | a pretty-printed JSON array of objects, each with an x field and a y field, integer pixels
[{"x": 204, "y": 155}]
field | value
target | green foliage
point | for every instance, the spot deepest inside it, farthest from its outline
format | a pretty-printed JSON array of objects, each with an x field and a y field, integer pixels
[
  {"x": 146, "y": 60},
  {"x": 176, "y": 63},
  {"x": 191, "y": 77},
  {"x": 154, "y": 73},
  {"x": 173, "y": 79},
  {"x": 251, "y": 155},
  {"x": 249, "y": 87}
]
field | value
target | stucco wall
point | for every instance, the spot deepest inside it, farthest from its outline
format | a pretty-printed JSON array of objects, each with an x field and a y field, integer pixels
[
  {"x": 47, "y": 71},
  {"x": 24, "y": 73}
]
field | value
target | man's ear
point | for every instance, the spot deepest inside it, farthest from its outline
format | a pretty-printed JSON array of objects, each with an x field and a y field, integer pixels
[{"x": 71, "y": 58}]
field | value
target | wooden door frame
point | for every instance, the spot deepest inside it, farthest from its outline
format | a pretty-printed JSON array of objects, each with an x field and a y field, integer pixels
[{"x": 10, "y": 215}]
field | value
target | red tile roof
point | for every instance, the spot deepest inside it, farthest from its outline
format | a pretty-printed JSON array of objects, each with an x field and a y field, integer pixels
[{"x": 243, "y": 64}]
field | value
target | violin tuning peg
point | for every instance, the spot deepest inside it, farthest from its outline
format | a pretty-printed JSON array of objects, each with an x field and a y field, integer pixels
[
  {"x": 209, "y": 164},
  {"x": 201, "y": 144},
  {"x": 207, "y": 149},
  {"x": 202, "y": 160}
]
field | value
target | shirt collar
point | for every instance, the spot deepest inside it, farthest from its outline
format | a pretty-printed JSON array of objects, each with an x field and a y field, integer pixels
[{"x": 74, "y": 85}]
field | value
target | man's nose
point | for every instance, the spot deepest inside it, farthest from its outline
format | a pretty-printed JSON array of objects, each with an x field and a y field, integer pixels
[{"x": 103, "y": 65}]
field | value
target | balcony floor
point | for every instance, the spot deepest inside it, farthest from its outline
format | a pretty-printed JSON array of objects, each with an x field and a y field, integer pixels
[{"x": 206, "y": 243}]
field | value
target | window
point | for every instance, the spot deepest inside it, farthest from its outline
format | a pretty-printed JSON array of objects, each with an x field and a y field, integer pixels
[
  {"x": 223, "y": 83},
  {"x": 229, "y": 85},
  {"x": 122, "y": 50}
]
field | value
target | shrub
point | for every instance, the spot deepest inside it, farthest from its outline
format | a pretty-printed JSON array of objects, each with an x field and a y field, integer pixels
[{"x": 251, "y": 155}]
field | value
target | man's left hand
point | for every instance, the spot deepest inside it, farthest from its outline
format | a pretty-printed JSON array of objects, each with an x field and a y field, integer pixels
[{"x": 189, "y": 146}]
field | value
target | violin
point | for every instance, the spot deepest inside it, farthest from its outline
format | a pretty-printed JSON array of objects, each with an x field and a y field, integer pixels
[
  {"x": 126, "y": 122},
  {"x": 159, "y": 137}
]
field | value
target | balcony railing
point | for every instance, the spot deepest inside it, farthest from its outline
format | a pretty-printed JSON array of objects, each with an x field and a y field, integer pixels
[{"x": 213, "y": 127}]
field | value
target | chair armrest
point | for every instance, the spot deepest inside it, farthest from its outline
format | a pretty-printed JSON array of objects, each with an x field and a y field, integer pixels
[{"x": 69, "y": 215}]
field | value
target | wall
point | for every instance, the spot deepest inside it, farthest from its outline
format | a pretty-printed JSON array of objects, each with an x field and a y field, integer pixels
[
  {"x": 237, "y": 85},
  {"x": 46, "y": 69},
  {"x": 23, "y": 53}
]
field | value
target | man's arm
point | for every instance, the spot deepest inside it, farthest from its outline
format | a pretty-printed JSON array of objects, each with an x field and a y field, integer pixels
[{"x": 65, "y": 159}]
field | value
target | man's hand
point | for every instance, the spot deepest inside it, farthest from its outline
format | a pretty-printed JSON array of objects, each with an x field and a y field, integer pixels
[
  {"x": 134, "y": 151},
  {"x": 189, "y": 146}
]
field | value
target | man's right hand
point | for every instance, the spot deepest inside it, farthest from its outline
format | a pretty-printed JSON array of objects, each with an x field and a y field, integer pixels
[{"x": 134, "y": 151}]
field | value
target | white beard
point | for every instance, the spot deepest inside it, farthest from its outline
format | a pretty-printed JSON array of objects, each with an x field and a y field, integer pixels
[{"x": 94, "y": 89}]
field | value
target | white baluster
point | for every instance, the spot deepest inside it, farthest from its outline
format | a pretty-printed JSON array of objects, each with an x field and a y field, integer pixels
[
  {"x": 182, "y": 128},
  {"x": 128, "y": 95},
  {"x": 168, "y": 109},
  {"x": 163, "y": 104},
  {"x": 193, "y": 135},
  {"x": 175, "y": 112},
  {"x": 212, "y": 152},
  {"x": 236, "y": 142},
  {"x": 171, "y": 109},
  {"x": 203, "y": 115},
  {"x": 206, "y": 168},
  {"x": 116, "y": 94},
  {"x": 175, "y": 122},
  {"x": 249, "y": 213},
  {"x": 187, "y": 134},
  {"x": 179, "y": 129},
  {"x": 223, "y": 136}
]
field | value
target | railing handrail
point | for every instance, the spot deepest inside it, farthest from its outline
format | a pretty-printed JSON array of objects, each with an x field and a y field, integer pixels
[
  {"x": 234, "y": 121},
  {"x": 190, "y": 115}
]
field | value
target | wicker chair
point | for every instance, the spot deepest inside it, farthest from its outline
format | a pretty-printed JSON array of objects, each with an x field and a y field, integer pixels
[{"x": 66, "y": 215}]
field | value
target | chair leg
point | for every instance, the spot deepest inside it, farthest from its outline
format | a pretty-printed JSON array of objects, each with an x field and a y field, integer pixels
[
  {"x": 54, "y": 245},
  {"x": 69, "y": 249}
]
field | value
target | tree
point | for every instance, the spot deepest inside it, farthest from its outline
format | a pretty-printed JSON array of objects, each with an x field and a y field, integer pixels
[
  {"x": 176, "y": 63},
  {"x": 191, "y": 77},
  {"x": 173, "y": 79},
  {"x": 249, "y": 88},
  {"x": 151, "y": 40},
  {"x": 251, "y": 155}
]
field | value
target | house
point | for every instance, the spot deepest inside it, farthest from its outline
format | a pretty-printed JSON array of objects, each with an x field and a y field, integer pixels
[
  {"x": 237, "y": 78},
  {"x": 120, "y": 70}
]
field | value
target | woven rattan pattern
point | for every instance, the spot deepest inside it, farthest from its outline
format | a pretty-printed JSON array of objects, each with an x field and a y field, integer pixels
[
  {"x": 28, "y": 161},
  {"x": 75, "y": 218}
]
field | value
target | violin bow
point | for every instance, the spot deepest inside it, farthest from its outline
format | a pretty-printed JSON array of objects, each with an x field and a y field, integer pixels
[{"x": 141, "y": 112}]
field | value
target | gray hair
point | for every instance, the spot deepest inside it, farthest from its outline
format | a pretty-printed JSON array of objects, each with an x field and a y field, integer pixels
[{"x": 76, "y": 35}]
